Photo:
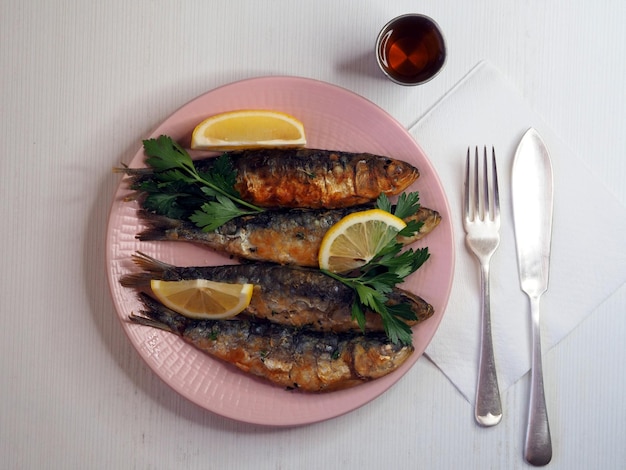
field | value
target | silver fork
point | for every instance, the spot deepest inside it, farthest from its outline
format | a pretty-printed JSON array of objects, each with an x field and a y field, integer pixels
[{"x": 482, "y": 224}]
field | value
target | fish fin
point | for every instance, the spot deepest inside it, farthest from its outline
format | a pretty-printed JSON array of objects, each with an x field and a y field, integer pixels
[
  {"x": 157, "y": 226},
  {"x": 145, "y": 321},
  {"x": 120, "y": 169},
  {"x": 152, "y": 269},
  {"x": 158, "y": 316},
  {"x": 132, "y": 171},
  {"x": 136, "y": 280},
  {"x": 150, "y": 264}
]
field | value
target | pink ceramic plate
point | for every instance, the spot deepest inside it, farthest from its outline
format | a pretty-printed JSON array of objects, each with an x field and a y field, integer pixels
[{"x": 334, "y": 118}]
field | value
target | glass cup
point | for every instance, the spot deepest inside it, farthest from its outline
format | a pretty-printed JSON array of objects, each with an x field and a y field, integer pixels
[{"x": 410, "y": 49}]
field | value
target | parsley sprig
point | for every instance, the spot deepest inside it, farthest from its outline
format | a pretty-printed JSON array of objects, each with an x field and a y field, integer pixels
[
  {"x": 176, "y": 187},
  {"x": 374, "y": 281}
]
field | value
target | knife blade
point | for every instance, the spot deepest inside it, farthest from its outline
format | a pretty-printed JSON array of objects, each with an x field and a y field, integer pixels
[{"x": 532, "y": 199}]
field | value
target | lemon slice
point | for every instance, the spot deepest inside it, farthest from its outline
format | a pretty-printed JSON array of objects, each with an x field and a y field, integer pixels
[
  {"x": 251, "y": 128},
  {"x": 357, "y": 238},
  {"x": 202, "y": 299}
]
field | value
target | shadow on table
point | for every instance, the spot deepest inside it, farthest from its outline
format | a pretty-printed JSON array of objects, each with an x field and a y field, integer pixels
[{"x": 363, "y": 64}]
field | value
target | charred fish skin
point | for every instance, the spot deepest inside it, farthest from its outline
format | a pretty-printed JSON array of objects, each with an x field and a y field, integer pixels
[
  {"x": 290, "y": 358},
  {"x": 307, "y": 178},
  {"x": 287, "y": 295},
  {"x": 318, "y": 178},
  {"x": 280, "y": 236},
  {"x": 289, "y": 237}
]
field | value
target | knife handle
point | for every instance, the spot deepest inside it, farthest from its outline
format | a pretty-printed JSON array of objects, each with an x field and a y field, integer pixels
[
  {"x": 488, "y": 409},
  {"x": 538, "y": 450}
]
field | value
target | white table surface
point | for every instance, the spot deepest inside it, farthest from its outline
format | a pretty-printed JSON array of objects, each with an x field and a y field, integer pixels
[{"x": 83, "y": 82}]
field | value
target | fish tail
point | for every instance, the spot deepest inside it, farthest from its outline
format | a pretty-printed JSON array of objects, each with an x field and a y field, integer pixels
[
  {"x": 135, "y": 176},
  {"x": 158, "y": 316},
  {"x": 145, "y": 321},
  {"x": 122, "y": 169},
  {"x": 152, "y": 269},
  {"x": 158, "y": 227},
  {"x": 132, "y": 171},
  {"x": 150, "y": 264}
]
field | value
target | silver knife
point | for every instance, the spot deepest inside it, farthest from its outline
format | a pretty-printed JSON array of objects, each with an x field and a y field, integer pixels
[{"x": 532, "y": 188}]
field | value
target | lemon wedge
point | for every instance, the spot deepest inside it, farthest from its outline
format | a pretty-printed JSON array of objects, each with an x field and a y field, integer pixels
[
  {"x": 203, "y": 299},
  {"x": 248, "y": 128},
  {"x": 357, "y": 238}
]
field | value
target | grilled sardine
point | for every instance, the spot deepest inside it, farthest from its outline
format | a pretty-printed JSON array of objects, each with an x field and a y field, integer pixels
[
  {"x": 287, "y": 295},
  {"x": 286, "y": 237},
  {"x": 286, "y": 356},
  {"x": 308, "y": 178}
]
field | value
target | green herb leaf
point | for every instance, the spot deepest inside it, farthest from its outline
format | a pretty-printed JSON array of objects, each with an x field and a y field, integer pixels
[
  {"x": 222, "y": 175},
  {"x": 358, "y": 315},
  {"x": 163, "y": 203},
  {"x": 412, "y": 227},
  {"x": 408, "y": 204},
  {"x": 396, "y": 329},
  {"x": 164, "y": 154},
  {"x": 384, "y": 203},
  {"x": 214, "y": 214},
  {"x": 375, "y": 280},
  {"x": 177, "y": 189}
]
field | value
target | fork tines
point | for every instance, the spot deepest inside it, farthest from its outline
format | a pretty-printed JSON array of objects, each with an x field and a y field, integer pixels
[{"x": 480, "y": 203}]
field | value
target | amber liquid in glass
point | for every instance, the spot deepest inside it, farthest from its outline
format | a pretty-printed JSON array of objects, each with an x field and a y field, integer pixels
[{"x": 414, "y": 51}]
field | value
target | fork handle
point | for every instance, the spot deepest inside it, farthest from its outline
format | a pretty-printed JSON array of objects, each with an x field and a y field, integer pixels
[{"x": 488, "y": 409}]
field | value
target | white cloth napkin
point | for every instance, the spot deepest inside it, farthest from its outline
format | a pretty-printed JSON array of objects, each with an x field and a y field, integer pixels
[{"x": 588, "y": 251}]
